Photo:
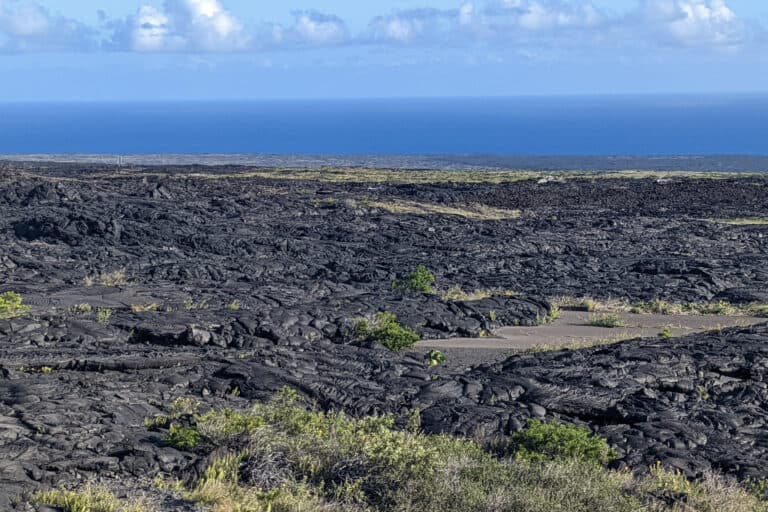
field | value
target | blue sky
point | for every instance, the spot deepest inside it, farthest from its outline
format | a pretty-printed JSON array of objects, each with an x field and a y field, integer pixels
[{"x": 246, "y": 49}]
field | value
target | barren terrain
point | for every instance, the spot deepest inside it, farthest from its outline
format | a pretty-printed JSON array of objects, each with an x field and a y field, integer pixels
[{"x": 227, "y": 284}]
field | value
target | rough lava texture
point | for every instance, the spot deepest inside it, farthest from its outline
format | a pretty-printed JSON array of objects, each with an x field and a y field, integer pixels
[{"x": 258, "y": 283}]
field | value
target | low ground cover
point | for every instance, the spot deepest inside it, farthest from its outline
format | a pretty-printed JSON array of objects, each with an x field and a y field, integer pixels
[{"x": 280, "y": 456}]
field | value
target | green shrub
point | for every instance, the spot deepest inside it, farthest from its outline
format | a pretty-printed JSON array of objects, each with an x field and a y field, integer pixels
[
  {"x": 385, "y": 330},
  {"x": 666, "y": 333},
  {"x": 11, "y": 305},
  {"x": 608, "y": 320},
  {"x": 556, "y": 441},
  {"x": 103, "y": 315},
  {"x": 420, "y": 280},
  {"x": 183, "y": 438},
  {"x": 434, "y": 358},
  {"x": 554, "y": 314}
]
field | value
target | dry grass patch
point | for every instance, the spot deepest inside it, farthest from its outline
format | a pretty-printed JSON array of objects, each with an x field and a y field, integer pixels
[
  {"x": 742, "y": 221},
  {"x": 415, "y": 176},
  {"x": 90, "y": 499},
  {"x": 145, "y": 308},
  {"x": 456, "y": 292},
  {"x": 471, "y": 212},
  {"x": 660, "y": 307},
  {"x": 368, "y": 175},
  {"x": 582, "y": 344},
  {"x": 112, "y": 279}
]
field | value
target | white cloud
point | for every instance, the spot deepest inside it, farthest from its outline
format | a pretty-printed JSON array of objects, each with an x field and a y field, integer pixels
[
  {"x": 309, "y": 29},
  {"x": 431, "y": 25},
  {"x": 316, "y": 29},
  {"x": 504, "y": 19},
  {"x": 695, "y": 22},
  {"x": 207, "y": 26},
  {"x": 539, "y": 15},
  {"x": 180, "y": 26},
  {"x": 466, "y": 13},
  {"x": 28, "y": 26}
]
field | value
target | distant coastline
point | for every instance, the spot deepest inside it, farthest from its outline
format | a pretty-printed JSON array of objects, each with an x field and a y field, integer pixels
[{"x": 597, "y": 163}]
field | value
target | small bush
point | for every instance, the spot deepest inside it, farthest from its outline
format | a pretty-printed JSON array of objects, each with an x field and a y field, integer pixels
[
  {"x": 556, "y": 441},
  {"x": 420, "y": 280},
  {"x": 387, "y": 331},
  {"x": 666, "y": 333},
  {"x": 81, "y": 309},
  {"x": 113, "y": 279},
  {"x": 103, "y": 315},
  {"x": 191, "y": 305},
  {"x": 234, "y": 305},
  {"x": 12, "y": 305},
  {"x": 607, "y": 320},
  {"x": 434, "y": 358},
  {"x": 183, "y": 438},
  {"x": 554, "y": 314}
]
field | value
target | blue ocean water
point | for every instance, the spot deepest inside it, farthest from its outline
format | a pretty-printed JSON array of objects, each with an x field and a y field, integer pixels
[{"x": 615, "y": 125}]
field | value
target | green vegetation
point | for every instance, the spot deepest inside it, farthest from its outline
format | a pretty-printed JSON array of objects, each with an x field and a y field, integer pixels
[
  {"x": 661, "y": 307},
  {"x": 420, "y": 280},
  {"x": 385, "y": 330},
  {"x": 434, "y": 358},
  {"x": 281, "y": 457},
  {"x": 90, "y": 499},
  {"x": 234, "y": 306},
  {"x": 191, "y": 305},
  {"x": 666, "y": 333},
  {"x": 554, "y": 314},
  {"x": 81, "y": 309},
  {"x": 183, "y": 438},
  {"x": 607, "y": 320},
  {"x": 557, "y": 441},
  {"x": 103, "y": 315},
  {"x": 12, "y": 305}
]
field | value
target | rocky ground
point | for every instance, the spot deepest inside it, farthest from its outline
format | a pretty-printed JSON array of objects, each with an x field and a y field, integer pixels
[{"x": 227, "y": 288}]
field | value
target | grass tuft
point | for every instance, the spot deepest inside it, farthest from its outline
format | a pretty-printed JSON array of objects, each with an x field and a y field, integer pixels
[
  {"x": 12, "y": 305},
  {"x": 90, "y": 499},
  {"x": 606, "y": 320}
]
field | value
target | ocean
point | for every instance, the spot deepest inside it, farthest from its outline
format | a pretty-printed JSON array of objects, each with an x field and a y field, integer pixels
[{"x": 577, "y": 125}]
